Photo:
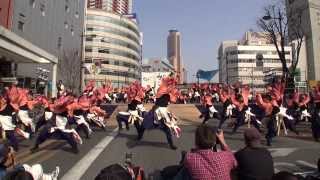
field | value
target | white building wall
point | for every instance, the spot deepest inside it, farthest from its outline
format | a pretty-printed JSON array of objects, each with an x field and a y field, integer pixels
[{"x": 240, "y": 64}]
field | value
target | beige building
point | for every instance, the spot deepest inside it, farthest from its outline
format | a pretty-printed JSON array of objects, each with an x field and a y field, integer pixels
[
  {"x": 237, "y": 61},
  {"x": 112, "y": 48},
  {"x": 115, "y": 6},
  {"x": 311, "y": 23},
  {"x": 174, "y": 53}
]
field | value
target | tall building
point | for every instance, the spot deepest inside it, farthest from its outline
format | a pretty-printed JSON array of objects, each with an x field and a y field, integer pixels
[
  {"x": 54, "y": 26},
  {"x": 115, "y": 6},
  {"x": 174, "y": 53},
  {"x": 112, "y": 48},
  {"x": 311, "y": 24},
  {"x": 237, "y": 61},
  {"x": 6, "y": 10}
]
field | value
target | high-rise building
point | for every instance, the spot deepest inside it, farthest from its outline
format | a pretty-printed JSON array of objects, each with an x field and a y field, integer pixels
[
  {"x": 6, "y": 10},
  {"x": 115, "y": 6},
  {"x": 174, "y": 53},
  {"x": 238, "y": 63},
  {"x": 112, "y": 48},
  {"x": 311, "y": 25}
]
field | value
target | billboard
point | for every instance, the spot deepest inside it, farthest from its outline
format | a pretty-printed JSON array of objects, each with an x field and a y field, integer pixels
[{"x": 153, "y": 79}]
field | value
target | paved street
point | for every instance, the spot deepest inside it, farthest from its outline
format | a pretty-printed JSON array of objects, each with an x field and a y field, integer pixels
[{"x": 105, "y": 148}]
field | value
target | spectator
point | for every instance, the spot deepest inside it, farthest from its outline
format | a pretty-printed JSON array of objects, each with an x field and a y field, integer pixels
[
  {"x": 206, "y": 163},
  {"x": 247, "y": 158},
  {"x": 19, "y": 174},
  {"x": 7, "y": 159},
  {"x": 23, "y": 172},
  {"x": 283, "y": 175},
  {"x": 114, "y": 172}
]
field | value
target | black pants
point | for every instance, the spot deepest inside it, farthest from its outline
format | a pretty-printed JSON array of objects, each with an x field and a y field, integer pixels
[
  {"x": 224, "y": 116},
  {"x": 271, "y": 129},
  {"x": 240, "y": 118},
  {"x": 315, "y": 126},
  {"x": 58, "y": 134},
  {"x": 12, "y": 139},
  {"x": 207, "y": 116},
  {"x": 83, "y": 128},
  {"x": 42, "y": 121},
  {"x": 123, "y": 118},
  {"x": 80, "y": 127},
  {"x": 163, "y": 128}
]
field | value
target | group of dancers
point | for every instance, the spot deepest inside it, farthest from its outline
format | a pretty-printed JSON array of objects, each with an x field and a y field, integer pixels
[
  {"x": 68, "y": 116},
  {"x": 274, "y": 109},
  {"x": 62, "y": 118},
  {"x": 158, "y": 117}
]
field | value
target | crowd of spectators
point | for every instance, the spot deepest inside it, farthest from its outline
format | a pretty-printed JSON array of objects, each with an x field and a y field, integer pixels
[
  {"x": 252, "y": 162},
  {"x": 212, "y": 159}
]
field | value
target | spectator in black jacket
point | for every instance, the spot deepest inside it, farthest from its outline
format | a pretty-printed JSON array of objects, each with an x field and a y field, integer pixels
[{"x": 254, "y": 161}]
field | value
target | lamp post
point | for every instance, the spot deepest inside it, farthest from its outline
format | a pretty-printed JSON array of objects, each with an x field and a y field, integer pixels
[{"x": 259, "y": 62}]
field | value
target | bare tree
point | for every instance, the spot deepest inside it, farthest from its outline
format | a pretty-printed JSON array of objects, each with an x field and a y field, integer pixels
[
  {"x": 70, "y": 70},
  {"x": 283, "y": 25}
]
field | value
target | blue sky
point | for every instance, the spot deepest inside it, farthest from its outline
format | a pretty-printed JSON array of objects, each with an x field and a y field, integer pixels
[{"x": 202, "y": 23}]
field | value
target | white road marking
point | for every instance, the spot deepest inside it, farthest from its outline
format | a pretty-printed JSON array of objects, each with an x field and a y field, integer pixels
[
  {"x": 77, "y": 171},
  {"x": 281, "y": 152},
  {"x": 304, "y": 163}
]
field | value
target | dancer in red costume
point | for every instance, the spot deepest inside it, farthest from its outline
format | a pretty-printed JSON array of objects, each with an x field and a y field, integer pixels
[{"x": 159, "y": 116}]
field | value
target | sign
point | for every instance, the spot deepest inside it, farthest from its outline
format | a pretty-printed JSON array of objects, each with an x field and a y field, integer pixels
[
  {"x": 153, "y": 79},
  {"x": 93, "y": 68}
]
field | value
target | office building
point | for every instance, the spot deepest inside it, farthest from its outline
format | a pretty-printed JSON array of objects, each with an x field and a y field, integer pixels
[
  {"x": 112, "y": 48},
  {"x": 238, "y": 60},
  {"x": 115, "y": 6},
  {"x": 174, "y": 53},
  {"x": 310, "y": 55}
]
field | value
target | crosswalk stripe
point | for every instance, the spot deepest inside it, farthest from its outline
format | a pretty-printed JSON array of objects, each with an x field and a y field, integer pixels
[
  {"x": 77, "y": 171},
  {"x": 304, "y": 163}
]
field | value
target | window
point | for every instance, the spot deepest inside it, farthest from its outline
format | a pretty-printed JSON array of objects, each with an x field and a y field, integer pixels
[
  {"x": 43, "y": 9},
  {"x": 66, "y": 25},
  {"x": 291, "y": 1},
  {"x": 88, "y": 49},
  {"x": 72, "y": 30},
  {"x": 66, "y": 8},
  {"x": 106, "y": 51},
  {"x": 77, "y": 15},
  {"x": 32, "y": 3},
  {"x": 22, "y": 15},
  {"x": 59, "y": 45},
  {"x": 20, "y": 25}
]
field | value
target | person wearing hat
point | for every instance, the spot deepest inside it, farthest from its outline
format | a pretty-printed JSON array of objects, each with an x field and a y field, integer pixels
[{"x": 247, "y": 158}]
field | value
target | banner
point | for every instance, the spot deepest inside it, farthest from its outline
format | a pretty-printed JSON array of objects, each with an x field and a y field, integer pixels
[{"x": 206, "y": 75}]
